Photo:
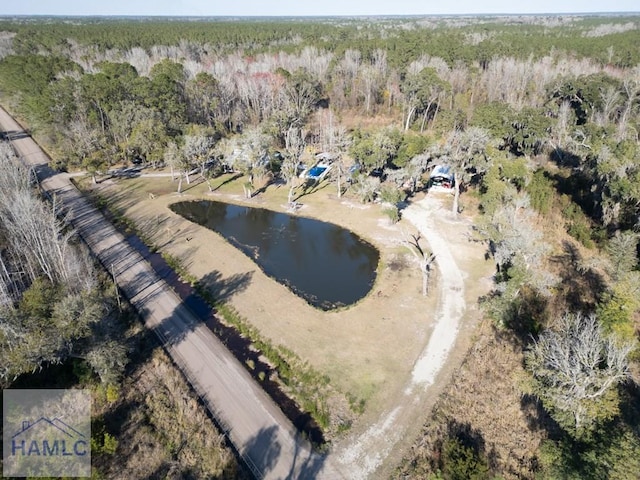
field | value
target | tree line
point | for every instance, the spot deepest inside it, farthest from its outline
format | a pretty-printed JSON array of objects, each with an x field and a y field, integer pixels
[
  {"x": 452, "y": 38},
  {"x": 53, "y": 305}
]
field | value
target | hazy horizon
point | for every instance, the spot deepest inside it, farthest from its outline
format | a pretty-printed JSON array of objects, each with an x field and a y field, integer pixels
[{"x": 328, "y": 8}]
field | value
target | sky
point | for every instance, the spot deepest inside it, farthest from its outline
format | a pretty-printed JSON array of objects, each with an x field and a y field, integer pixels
[{"x": 308, "y": 7}]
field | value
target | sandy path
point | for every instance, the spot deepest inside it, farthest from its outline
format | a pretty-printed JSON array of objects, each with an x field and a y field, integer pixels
[
  {"x": 451, "y": 306},
  {"x": 363, "y": 456}
]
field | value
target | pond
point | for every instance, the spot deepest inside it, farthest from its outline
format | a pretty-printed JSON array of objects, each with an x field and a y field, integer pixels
[{"x": 323, "y": 263}]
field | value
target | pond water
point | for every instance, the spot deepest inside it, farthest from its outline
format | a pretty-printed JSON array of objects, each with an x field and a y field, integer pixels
[{"x": 323, "y": 263}]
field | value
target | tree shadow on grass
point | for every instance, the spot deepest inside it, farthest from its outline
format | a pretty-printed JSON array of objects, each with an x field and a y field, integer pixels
[
  {"x": 222, "y": 289},
  {"x": 523, "y": 317},
  {"x": 538, "y": 418},
  {"x": 582, "y": 286},
  {"x": 309, "y": 187},
  {"x": 466, "y": 434},
  {"x": 231, "y": 178}
]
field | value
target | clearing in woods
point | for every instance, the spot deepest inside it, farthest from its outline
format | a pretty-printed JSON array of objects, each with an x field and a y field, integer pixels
[{"x": 395, "y": 349}]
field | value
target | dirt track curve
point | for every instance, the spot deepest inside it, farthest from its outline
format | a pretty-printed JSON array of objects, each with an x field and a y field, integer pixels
[{"x": 366, "y": 453}]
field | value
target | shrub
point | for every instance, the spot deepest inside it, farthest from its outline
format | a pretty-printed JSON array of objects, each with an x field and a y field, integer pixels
[
  {"x": 110, "y": 444},
  {"x": 366, "y": 188},
  {"x": 578, "y": 225},
  {"x": 392, "y": 213},
  {"x": 391, "y": 194},
  {"x": 460, "y": 462},
  {"x": 541, "y": 192},
  {"x": 113, "y": 392}
]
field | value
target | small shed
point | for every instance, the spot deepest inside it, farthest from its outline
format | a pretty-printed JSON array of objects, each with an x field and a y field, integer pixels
[{"x": 441, "y": 177}]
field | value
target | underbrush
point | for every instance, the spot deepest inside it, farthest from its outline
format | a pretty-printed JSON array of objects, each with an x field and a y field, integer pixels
[
  {"x": 481, "y": 426},
  {"x": 155, "y": 426},
  {"x": 150, "y": 424}
]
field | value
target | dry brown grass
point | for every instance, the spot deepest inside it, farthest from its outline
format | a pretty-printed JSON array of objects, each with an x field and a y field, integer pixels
[
  {"x": 351, "y": 345},
  {"x": 486, "y": 404},
  {"x": 367, "y": 350},
  {"x": 162, "y": 430},
  {"x": 483, "y": 403}
]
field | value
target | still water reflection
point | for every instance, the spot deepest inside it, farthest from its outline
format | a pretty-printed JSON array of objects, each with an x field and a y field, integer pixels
[{"x": 325, "y": 264}]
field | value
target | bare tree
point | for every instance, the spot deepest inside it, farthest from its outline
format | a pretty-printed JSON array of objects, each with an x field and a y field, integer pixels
[
  {"x": 334, "y": 140},
  {"x": 347, "y": 70},
  {"x": 6, "y": 44},
  {"x": 631, "y": 92},
  {"x": 298, "y": 97},
  {"x": 246, "y": 153},
  {"x": 373, "y": 76},
  {"x": 139, "y": 59},
  {"x": 561, "y": 130},
  {"x": 622, "y": 250},
  {"x": 422, "y": 91},
  {"x": 9, "y": 292},
  {"x": 81, "y": 140},
  {"x": 575, "y": 367},
  {"x": 36, "y": 235},
  {"x": 517, "y": 243},
  {"x": 613, "y": 172},
  {"x": 610, "y": 104},
  {"x": 294, "y": 146},
  {"x": 198, "y": 147},
  {"x": 173, "y": 157},
  {"x": 424, "y": 257}
]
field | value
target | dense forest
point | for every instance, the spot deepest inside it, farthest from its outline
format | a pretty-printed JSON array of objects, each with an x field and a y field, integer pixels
[{"x": 539, "y": 118}]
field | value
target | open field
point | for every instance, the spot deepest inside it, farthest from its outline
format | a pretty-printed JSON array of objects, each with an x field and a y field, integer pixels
[{"x": 367, "y": 350}]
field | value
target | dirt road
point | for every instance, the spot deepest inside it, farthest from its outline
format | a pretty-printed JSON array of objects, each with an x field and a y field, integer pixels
[
  {"x": 363, "y": 455},
  {"x": 255, "y": 425}
]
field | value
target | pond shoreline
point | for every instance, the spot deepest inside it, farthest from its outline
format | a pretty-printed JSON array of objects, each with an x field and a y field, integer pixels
[{"x": 328, "y": 266}]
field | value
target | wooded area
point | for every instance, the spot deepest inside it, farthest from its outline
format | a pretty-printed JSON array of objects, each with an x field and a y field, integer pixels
[{"x": 538, "y": 118}]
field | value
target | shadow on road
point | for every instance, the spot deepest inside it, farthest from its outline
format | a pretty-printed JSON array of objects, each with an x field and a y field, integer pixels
[
  {"x": 221, "y": 289},
  {"x": 263, "y": 451},
  {"x": 308, "y": 465}
]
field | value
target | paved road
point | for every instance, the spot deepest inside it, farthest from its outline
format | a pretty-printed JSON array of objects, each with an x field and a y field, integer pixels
[{"x": 253, "y": 422}]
